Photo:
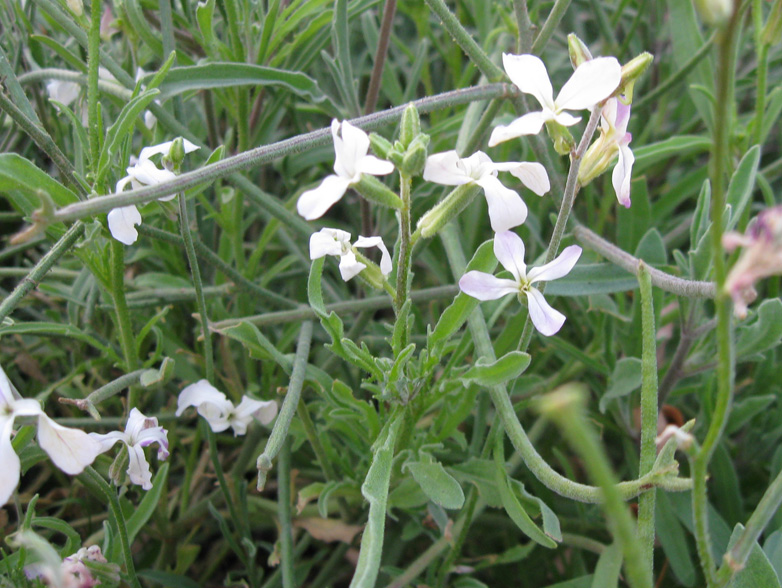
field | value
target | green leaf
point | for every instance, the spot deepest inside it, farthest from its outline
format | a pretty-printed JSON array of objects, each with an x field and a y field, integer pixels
[
  {"x": 634, "y": 222},
  {"x": 625, "y": 378},
  {"x": 509, "y": 367},
  {"x": 41, "y": 329},
  {"x": 757, "y": 571},
  {"x": 168, "y": 579},
  {"x": 593, "y": 278},
  {"x": 437, "y": 484},
  {"x": 314, "y": 287},
  {"x": 257, "y": 344},
  {"x": 151, "y": 378},
  {"x": 746, "y": 409},
  {"x": 17, "y": 173},
  {"x": 671, "y": 535},
  {"x": 481, "y": 474},
  {"x": 742, "y": 184},
  {"x": 228, "y": 75},
  {"x": 651, "y": 248},
  {"x": 139, "y": 24},
  {"x": 764, "y": 333},
  {"x": 148, "y": 504},
  {"x": 608, "y": 567},
  {"x": 678, "y": 146},
  {"x": 700, "y": 218},
  {"x": 773, "y": 550}
]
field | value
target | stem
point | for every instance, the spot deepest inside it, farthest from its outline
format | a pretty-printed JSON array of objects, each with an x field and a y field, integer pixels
[
  {"x": 284, "y": 418},
  {"x": 477, "y": 55},
  {"x": 649, "y": 416},
  {"x": 268, "y": 153},
  {"x": 403, "y": 263},
  {"x": 761, "y": 49},
  {"x": 284, "y": 503},
  {"x": 565, "y": 407},
  {"x": 121, "y": 310},
  {"x": 93, "y": 62},
  {"x": 187, "y": 238},
  {"x": 667, "y": 282},
  {"x": 389, "y": 9},
  {"x": 556, "y": 14},
  {"x": 524, "y": 25},
  {"x": 722, "y": 110}
]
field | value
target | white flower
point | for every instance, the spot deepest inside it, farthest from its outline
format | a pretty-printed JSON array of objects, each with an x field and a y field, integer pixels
[
  {"x": 71, "y": 450},
  {"x": 149, "y": 118},
  {"x": 509, "y": 250},
  {"x": 336, "y": 242},
  {"x": 122, "y": 221},
  {"x": 592, "y": 82},
  {"x": 140, "y": 431},
  {"x": 506, "y": 208},
  {"x": 220, "y": 412},
  {"x": 616, "y": 114},
  {"x": 351, "y": 145},
  {"x": 63, "y": 92}
]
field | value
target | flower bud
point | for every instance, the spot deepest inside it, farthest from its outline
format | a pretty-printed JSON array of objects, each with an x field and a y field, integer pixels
[
  {"x": 715, "y": 12},
  {"x": 772, "y": 31},
  {"x": 631, "y": 71},
  {"x": 176, "y": 155},
  {"x": 579, "y": 52},
  {"x": 375, "y": 191},
  {"x": 450, "y": 206},
  {"x": 76, "y": 7},
  {"x": 563, "y": 140},
  {"x": 414, "y": 158},
  {"x": 410, "y": 126},
  {"x": 371, "y": 274},
  {"x": 598, "y": 157},
  {"x": 380, "y": 145}
]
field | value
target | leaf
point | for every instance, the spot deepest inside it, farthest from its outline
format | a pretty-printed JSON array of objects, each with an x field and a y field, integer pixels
[
  {"x": 328, "y": 530},
  {"x": 625, "y": 378},
  {"x": 168, "y": 579},
  {"x": 742, "y": 185},
  {"x": 632, "y": 223},
  {"x": 227, "y": 75},
  {"x": 651, "y": 248},
  {"x": 593, "y": 278},
  {"x": 148, "y": 504},
  {"x": 700, "y": 218},
  {"x": 437, "y": 484},
  {"x": 773, "y": 549},
  {"x": 481, "y": 474},
  {"x": 746, "y": 409},
  {"x": 757, "y": 571},
  {"x": 509, "y": 367},
  {"x": 155, "y": 377},
  {"x": 17, "y": 173},
  {"x": 671, "y": 535},
  {"x": 764, "y": 333},
  {"x": 608, "y": 567},
  {"x": 678, "y": 146}
]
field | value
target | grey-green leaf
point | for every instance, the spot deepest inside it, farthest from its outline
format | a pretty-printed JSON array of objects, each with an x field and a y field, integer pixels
[
  {"x": 438, "y": 485},
  {"x": 508, "y": 367},
  {"x": 625, "y": 378}
]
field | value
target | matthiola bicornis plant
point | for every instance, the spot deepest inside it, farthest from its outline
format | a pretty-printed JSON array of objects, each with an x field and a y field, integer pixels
[
  {"x": 220, "y": 412},
  {"x": 351, "y": 146},
  {"x": 140, "y": 431},
  {"x": 506, "y": 208},
  {"x": 122, "y": 221},
  {"x": 591, "y": 83},
  {"x": 71, "y": 450},
  {"x": 337, "y": 243},
  {"x": 509, "y": 250}
]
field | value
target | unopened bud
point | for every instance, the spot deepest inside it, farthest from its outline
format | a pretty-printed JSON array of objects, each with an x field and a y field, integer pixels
[
  {"x": 598, "y": 157},
  {"x": 683, "y": 439},
  {"x": 772, "y": 31},
  {"x": 410, "y": 126},
  {"x": 375, "y": 191},
  {"x": 578, "y": 51},
  {"x": 563, "y": 140},
  {"x": 715, "y": 12},
  {"x": 371, "y": 274},
  {"x": 176, "y": 155},
  {"x": 76, "y": 7},
  {"x": 631, "y": 71},
  {"x": 380, "y": 145},
  {"x": 414, "y": 158},
  {"x": 445, "y": 210}
]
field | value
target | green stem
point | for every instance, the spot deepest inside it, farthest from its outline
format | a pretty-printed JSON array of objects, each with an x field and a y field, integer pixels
[
  {"x": 104, "y": 393},
  {"x": 565, "y": 406},
  {"x": 477, "y": 55},
  {"x": 649, "y": 416},
  {"x": 96, "y": 480},
  {"x": 556, "y": 14},
  {"x": 389, "y": 9},
  {"x": 187, "y": 238},
  {"x": 524, "y": 25},
  {"x": 93, "y": 62},
  {"x": 268, "y": 153},
  {"x": 723, "y": 107},
  {"x": 286, "y": 526},
  {"x": 122, "y": 313},
  {"x": 761, "y": 49},
  {"x": 403, "y": 263},
  {"x": 284, "y": 418}
]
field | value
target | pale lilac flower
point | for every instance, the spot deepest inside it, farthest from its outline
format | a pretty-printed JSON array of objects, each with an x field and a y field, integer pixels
[
  {"x": 71, "y": 450},
  {"x": 591, "y": 83},
  {"x": 122, "y": 221},
  {"x": 761, "y": 258},
  {"x": 351, "y": 146},
  {"x": 220, "y": 412},
  {"x": 509, "y": 250},
  {"x": 140, "y": 431},
  {"x": 337, "y": 243},
  {"x": 506, "y": 208},
  {"x": 683, "y": 439},
  {"x": 71, "y": 572}
]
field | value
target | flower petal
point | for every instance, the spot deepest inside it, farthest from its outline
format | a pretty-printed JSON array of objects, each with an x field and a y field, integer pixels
[
  {"x": 622, "y": 175},
  {"x": 369, "y": 164},
  {"x": 210, "y": 403},
  {"x": 566, "y": 120},
  {"x": 7, "y": 397},
  {"x": 122, "y": 224},
  {"x": 533, "y": 175},
  {"x": 485, "y": 286},
  {"x": 314, "y": 203},
  {"x": 446, "y": 168},
  {"x": 328, "y": 242},
  {"x": 138, "y": 467},
  {"x": 529, "y": 124},
  {"x": 147, "y": 173},
  {"x": 108, "y": 440},
  {"x": 546, "y": 320},
  {"x": 506, "y": 208},
  {"x": 164, "y": 148},
  {"x": 63, "y": 92},
  {"x": 351, "y": 145},
  {"x": 154, "y": 434},
  {"x": 385, "y": 259},
  {"x": 11, "y": 465},
  {"x": 557, "y": 267},
  {"x": 71, "y": 450},
  {"x": 592, "y": 82},
  {"x": 263, "y": 411},
  {"x": 509, "y": 251},
  {"x": 529, "y": 74},
  {"x": 349, "y": 266}
]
